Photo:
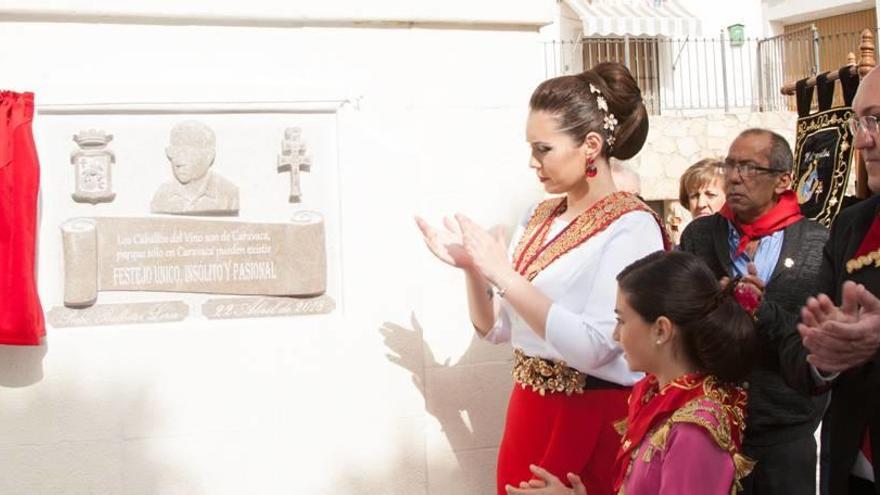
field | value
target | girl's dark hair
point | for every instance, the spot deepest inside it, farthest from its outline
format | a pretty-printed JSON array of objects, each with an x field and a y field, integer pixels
[
  {"x": 717, "y": 335},
  {"x": 570, "y": 100}
]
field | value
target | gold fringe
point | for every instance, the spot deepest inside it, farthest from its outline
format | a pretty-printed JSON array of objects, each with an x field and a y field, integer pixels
[
  {"x": 658, "y": 438},
  {"x": 719, "y": 432},
  {"x": 620, "y": 426},
  {"x": 743, "y": 465}
]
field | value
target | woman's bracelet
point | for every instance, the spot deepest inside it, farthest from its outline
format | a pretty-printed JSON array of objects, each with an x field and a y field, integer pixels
[{"x": 501, "y": 288}]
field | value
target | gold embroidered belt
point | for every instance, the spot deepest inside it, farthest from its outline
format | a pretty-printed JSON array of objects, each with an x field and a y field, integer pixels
[{"x": 546, "y": 376}]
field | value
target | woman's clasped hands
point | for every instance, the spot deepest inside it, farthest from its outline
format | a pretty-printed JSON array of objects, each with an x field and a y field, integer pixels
[{"x": 548, "y": 484}]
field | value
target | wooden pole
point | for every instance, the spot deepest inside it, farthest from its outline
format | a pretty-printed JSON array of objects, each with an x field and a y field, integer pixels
[
  {"x": 866, "y": 62},
  {"x": 866, "y": 50}
]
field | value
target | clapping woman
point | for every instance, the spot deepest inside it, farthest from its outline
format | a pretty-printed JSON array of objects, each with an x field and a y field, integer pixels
[{"x": 552, "y": 294}]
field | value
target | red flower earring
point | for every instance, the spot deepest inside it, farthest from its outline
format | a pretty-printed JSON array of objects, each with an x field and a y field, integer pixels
[{"x": 591, "y": 168}]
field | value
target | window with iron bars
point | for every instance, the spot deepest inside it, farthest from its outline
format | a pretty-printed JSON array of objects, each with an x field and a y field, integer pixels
[
  {"x": 691, "y": 75},
  {"x": 682, "y": 74},
  {"x": 638, "y": 54}
]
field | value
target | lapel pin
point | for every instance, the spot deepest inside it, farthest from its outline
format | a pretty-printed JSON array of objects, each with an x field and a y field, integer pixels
[{"x": 789, "y": 262}]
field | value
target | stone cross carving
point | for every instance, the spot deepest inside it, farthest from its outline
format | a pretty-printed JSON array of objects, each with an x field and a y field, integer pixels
[{"x": 293, "y": 158}]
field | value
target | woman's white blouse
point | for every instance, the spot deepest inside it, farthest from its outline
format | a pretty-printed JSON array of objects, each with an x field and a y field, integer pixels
[{"x": 582, "y": 284}]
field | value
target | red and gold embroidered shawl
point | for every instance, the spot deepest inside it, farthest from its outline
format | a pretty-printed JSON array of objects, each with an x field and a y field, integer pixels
[
  {"x": 532, "y": 254},
  {"x": 687, "y": 399}
]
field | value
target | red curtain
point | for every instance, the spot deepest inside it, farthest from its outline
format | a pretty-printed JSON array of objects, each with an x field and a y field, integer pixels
[{"x": 21, "y": 316}]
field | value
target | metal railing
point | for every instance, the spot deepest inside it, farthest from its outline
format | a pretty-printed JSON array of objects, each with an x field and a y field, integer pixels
[
  {"x": 706, "y": 74},
  {"x": 783, "y": 58},
  {"x": 793, "y": 56}
]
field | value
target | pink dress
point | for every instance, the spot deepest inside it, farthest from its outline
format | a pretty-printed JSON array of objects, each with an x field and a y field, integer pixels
[{"x": 685, "y": 459}]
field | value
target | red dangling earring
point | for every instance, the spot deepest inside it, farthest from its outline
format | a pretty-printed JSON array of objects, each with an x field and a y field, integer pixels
[{"x": 591, "y": 168}]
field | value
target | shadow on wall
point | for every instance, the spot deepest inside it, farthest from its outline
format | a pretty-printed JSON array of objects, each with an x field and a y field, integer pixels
[
  {"x": 21, "y": 365},
  {"x": 66, "y": 437},
  {"x": 404, "y": 475},
  {"x": 468, "y": 398}
]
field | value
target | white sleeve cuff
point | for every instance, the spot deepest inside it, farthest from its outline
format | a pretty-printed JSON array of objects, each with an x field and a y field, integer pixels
[{"x": 500, "y": 332}]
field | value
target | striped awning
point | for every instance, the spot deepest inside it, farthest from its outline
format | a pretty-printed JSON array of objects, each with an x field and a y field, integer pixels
[{"x": 666, "y": 18}]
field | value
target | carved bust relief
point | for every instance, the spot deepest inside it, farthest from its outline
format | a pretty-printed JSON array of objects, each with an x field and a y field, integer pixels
[{"x": 195, "y": 189}]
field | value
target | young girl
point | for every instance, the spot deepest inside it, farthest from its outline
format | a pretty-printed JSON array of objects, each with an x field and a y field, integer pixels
[
  {"x": 685, "y": 421},
  {"x": 553, "y": 300}
]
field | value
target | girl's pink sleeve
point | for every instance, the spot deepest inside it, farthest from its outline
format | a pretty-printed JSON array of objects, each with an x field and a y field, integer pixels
[{"x": 694, "y": 463}]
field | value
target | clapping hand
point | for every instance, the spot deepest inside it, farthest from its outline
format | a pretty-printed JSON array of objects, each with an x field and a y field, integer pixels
[
  {"x": 840, "y": 338},
  {"x": 486, "y": 250},
  {"x": 547, "y": 484},
  {"x": 447, "y": 245}
]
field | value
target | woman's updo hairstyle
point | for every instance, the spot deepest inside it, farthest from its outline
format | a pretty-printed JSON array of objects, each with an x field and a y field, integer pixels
[
  {"x": 569, "y": 98},
  {"x": 716, "y": 333}
]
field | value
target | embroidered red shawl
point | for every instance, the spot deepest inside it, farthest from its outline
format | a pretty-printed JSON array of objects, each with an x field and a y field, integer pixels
[{"x": 650, "y": 406}]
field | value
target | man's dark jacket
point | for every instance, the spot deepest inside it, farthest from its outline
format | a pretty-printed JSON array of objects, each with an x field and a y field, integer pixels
[
  {"x": 855, "y": 394},
  {"x": 776, "y": 412}
]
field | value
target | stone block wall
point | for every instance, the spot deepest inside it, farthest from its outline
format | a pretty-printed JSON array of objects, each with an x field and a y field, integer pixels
[{"x": 676, "y": 142}]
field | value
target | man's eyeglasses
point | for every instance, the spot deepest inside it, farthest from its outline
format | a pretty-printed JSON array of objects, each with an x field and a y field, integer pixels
[
  {"x": 746, "y": 168},
  {"x": 867, "y": 124}
]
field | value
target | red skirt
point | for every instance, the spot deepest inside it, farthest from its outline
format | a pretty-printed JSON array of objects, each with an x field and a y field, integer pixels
[
  {"x": 21, "y": 316},
  {"x": 563, "y": 434}
]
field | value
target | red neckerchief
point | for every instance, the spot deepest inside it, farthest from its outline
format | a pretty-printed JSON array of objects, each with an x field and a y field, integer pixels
[
  {"x": 869, "y": 250},
  {"x": 649, "y": 406},
  {"x": 871, "y": 240},
  {"x": 784, "y": 213}
]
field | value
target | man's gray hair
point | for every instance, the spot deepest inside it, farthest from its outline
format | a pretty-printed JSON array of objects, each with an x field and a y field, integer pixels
[{"x": 779, "y": 156}]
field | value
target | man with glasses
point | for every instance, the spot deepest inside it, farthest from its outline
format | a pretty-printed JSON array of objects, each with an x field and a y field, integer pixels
[
  {"x": 196, "y": 190},
  {"x": 761, "y": 235},
  {"x": 837, "y": 348}
]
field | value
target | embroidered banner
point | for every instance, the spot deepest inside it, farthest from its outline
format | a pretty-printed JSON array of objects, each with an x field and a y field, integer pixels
[{"x": 823, "y": 160}]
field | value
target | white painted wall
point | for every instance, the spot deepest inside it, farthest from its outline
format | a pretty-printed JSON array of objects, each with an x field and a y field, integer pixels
[
  {"x": 429, "y": 119},
  {"x": 307, "y": 11},
  {"x": 715, "y": 16},
  {"x": 563, "y": 51}
]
